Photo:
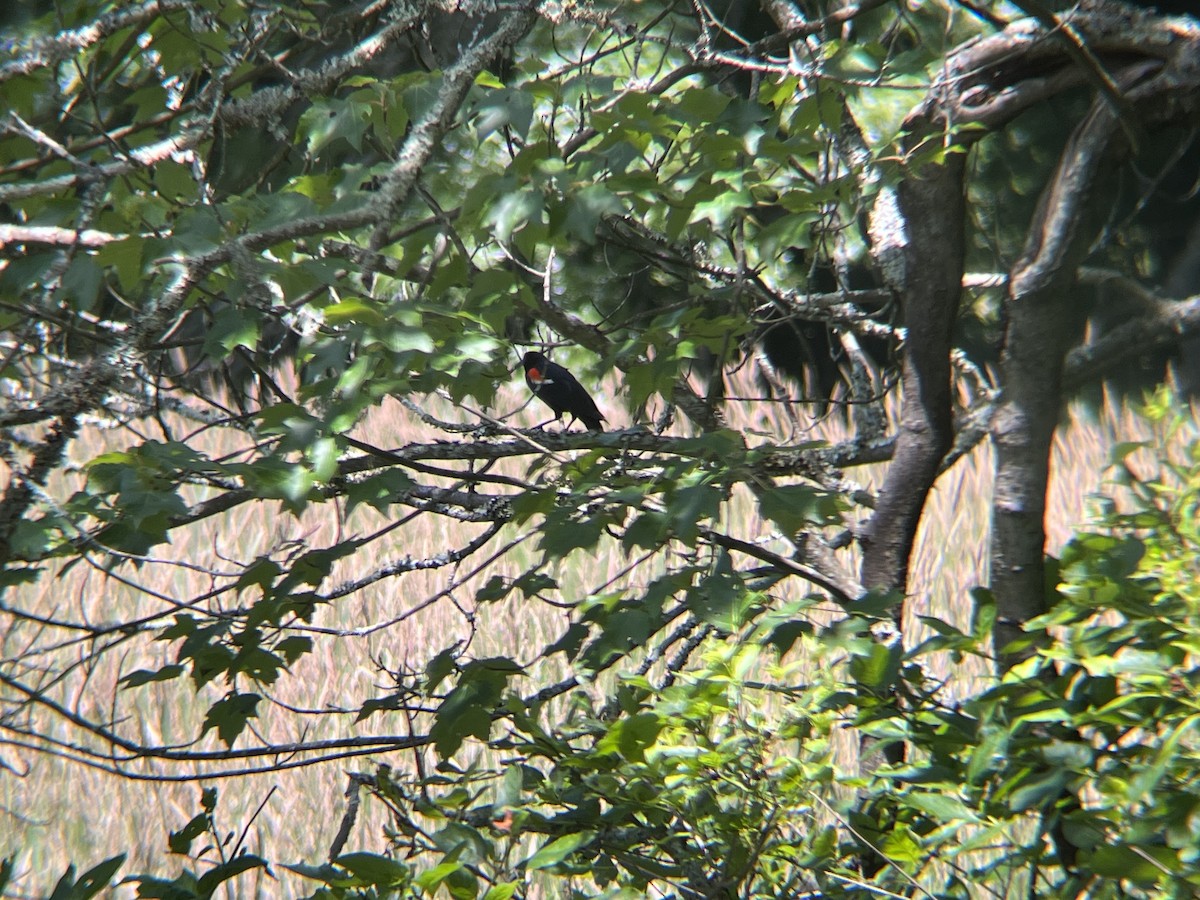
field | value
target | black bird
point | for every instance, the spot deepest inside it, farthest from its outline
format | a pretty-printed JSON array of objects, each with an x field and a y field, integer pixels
[{"x": 559, "y": 390}]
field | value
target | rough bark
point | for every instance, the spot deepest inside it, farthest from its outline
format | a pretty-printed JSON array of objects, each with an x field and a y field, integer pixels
[
  {"x": 1038, "y": 335},
  {"x": 930, "y": 204},
  {"x": 987, "y": 83}
]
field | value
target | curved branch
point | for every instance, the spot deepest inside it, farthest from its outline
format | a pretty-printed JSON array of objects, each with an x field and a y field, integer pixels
[
  {"x": 408, "y": 564},
  {"x": 54, "y": 236},
  {"x": 49, "y": 51},
  {"x": 92, "y": 760},
  {"x": 135, "y": 750},
  {"x": 991, "y": 81},
  {"x": 1168, "y": 323},
  {"x": 819, "y": 464},
  {"x": 826, "y": 576}
]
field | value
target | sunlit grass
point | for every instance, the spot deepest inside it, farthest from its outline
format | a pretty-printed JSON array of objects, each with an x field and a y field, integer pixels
[{"x": 54, "y": 812}]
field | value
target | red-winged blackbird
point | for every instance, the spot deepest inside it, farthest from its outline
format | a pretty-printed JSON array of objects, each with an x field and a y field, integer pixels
[{"x": 559, "y": 390}]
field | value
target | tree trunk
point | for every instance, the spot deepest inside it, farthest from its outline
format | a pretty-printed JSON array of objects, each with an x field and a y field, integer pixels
[
  {"x": 927, "y": 268},
  {"x": 1041, "y": 328}
]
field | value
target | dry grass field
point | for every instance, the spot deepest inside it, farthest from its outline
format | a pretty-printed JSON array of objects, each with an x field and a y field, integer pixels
[{"x": 53, "y": 812}]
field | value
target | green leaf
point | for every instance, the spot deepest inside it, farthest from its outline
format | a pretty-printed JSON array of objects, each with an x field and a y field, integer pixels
[
  {"x": 332, "y": 119},
  {"x": 326, "y": 873},
  {"x": 294, "y": 647},
  {"x": 497, "y": 588},
  {"x": 513, "y": 211},
  {"x": 621, "y": 633},
  {"x": 81, "y": 282},
  {"x": 795, "y": 507},
  {"x": 1086, "y": 829},
  {"x": 901, "y": 847},
  {"x": 562, "y": 537},
  {"x": 219, "y": 874},
  {"x": 465, "y": 842},
  {"x": 504, "y": 891},
  {"x": 570, "y": 641},
  {"x": 379, "y": 491},
  {"x": 278, "y": 480},
  {"x": 693, "y": 504},
  {"x": 503, "y": 108},
  {"x": 431, "y": 879},
  {"x": 185, "y": 625},
  {"x": 533, "y": 583},
  {"x": 720, "y": 598},
  {"x": 232, "y": 326},
  {"x": 198, "y": 230},
  {"x": 944, "y": 808},
  {"x": 632, "y": 735},
  {"x": 175, "y": 182},
  {"x": 229, "y": 716},
  {"x": 1143, "y": 865},
  {"x": 125, "y": 257},
  {"x": 983, "y": 614},
  {"x": 145, "y": 676},
  {"x": 323, "y": 454},
  {"x": 1036, "y": 790},
  {"x": 373, "y": 869},
  {"x": 95, "y": 879},
  {"x": 1120, "y": 450},
  {"x": 512, "y": 786},
  {"x": 648, "y": 531},
  {"x": 461, "y": 884},
  {"x": 261, "y": 573},
  {"x": 586, "y": 207},
  {"x": 702, "y": 105},
  {"x": 354, "y": 310},
  {"x": 181, "y": 841},
  {"x": 555, "y": 851},
  {"x": 64, "y": 889},
  {"x": 878, "y": 667},
  {"x": 467, "y": 709},
  {"x": 185, "y": 887},
  {"x": 439, "y": 668}
]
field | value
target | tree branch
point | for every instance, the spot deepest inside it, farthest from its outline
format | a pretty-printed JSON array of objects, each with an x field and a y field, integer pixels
[
  {"x": 826, "y": 576},
  {"x": 1168, "y": 323},
  {"x": 61, "y": 237},
  {"x": 53, "y": 50}
]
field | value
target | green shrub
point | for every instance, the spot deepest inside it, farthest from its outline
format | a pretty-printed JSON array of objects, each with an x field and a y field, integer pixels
[{"x": 1073, "y": 772}]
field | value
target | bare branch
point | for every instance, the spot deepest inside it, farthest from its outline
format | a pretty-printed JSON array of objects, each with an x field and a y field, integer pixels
[
  {"x": 838, "y": 584},
  {"x": 1169, "y": 322},
  {"x": 53, "y": 50},
  {"x": 62, "y": 237},
  {"x": 408, "y": 564}
]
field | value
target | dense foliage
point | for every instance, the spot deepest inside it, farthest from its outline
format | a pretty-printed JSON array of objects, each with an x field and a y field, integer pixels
[{"x": 233, "y": 236}]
